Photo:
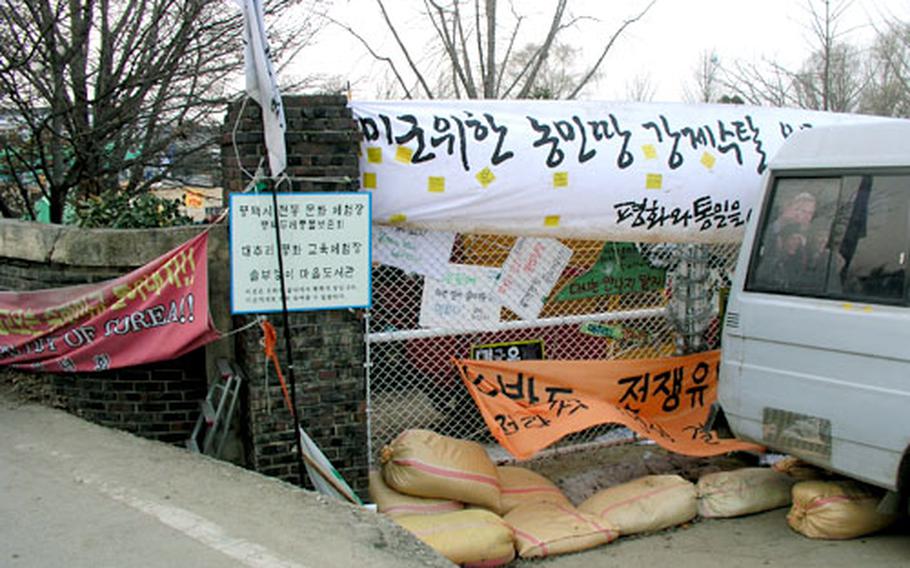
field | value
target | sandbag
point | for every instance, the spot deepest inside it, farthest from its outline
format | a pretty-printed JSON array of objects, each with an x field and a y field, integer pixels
[
  {"x": 836, "y": 510},
  {"x": 548, "y": 529},
  {"x": 799, "y": 470},
  {"x": 647, "y": 504},
  {"x": 474, "y": 537},
  {"x": 392, "y": 503},
  {"x": 425, "y": 464},
  {"x": 519, "y": 485},
  {"x": 742, "y": 491}
]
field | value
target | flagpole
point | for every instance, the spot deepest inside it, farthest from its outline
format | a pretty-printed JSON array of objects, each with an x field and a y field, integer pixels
[
  {"x": 262, "y": 86},
  {"x": 288, "y": 344}
]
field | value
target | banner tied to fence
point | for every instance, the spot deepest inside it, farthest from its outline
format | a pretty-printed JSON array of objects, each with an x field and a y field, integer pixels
[
  {"x": 157, "y": 312},
  {"x": 529, "y": 405},
  {"x": 634, "y": 172}
]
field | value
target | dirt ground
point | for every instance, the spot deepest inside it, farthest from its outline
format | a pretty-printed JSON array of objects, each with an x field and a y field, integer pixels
[{"x": 585, "y": 470}]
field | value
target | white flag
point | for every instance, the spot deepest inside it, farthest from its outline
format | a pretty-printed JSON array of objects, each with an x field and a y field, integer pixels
[{"x": 261, "y": 85}]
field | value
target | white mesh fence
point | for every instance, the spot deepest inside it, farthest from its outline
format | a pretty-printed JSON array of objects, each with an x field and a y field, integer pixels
[{"x": 610, "y": 301}]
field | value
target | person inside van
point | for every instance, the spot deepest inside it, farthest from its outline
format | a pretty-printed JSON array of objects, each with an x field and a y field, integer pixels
[
  {"x": 800, "y": 210},
  {"x": 785, "y": 266}
]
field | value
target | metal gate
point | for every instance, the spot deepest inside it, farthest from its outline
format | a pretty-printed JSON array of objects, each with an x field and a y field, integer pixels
[{"x": 412, "y": 383}]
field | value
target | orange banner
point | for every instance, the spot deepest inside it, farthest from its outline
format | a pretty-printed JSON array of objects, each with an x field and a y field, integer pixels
[{"x": 529, "y": 405}]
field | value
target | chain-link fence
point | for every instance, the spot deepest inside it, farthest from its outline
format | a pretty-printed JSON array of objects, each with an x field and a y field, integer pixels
[{"x": 609, "y": 301}]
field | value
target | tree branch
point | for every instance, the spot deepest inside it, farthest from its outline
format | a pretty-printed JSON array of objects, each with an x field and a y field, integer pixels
[{"x": 593, "y": 70}]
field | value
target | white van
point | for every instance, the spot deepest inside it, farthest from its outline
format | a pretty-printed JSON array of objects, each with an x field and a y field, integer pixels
[{"x": 816, "y": 340}]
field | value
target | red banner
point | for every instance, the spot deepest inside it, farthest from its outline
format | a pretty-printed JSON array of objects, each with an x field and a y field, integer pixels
[
  {"x": 155, "y": 313},
  {"x": 529, "y": 405}
]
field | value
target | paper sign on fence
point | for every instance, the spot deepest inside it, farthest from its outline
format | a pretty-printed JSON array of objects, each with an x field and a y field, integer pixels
[
  {"x": 463, "y": 298},
  {"x": 421, "y": 252},
  {"x": 529, "y": 274}
]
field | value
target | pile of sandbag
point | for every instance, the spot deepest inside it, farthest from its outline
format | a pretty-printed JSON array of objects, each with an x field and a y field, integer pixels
[
  {"x": 450, "y": 495},
  {"x": 820, "y": 506}
]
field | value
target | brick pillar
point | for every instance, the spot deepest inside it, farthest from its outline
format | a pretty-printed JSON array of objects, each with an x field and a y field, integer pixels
[{"x": 329, "y": 351}]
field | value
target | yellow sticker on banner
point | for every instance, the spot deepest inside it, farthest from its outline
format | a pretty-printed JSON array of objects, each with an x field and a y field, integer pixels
[
  {"x": 654, "y": 181},
  {"x": 404, "y": 154},
  {"x": 560, "y": 179},
  {"x": 436, "y": 184},
  {"x": 708, "y": 160},
  {"x": 398, "y": 218},
  {"x": 551, "y": 221},
  {"x": 649, "y": 151},
  {"x": 369, "y": 180},
  {"x": 485, "y": 177},
  {"x": 374, "y": 155}
]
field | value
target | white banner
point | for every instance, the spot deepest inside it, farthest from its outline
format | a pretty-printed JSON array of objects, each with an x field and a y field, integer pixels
[
  {"x": 644, "y": 172},
  {"x": 261, "y": 85}
]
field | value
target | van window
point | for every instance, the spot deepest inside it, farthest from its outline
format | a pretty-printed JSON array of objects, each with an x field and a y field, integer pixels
[{"x": 836, "y": 237}]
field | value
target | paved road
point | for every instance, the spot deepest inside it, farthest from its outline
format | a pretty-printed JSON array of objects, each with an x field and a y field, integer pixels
[
  {"x": 74, "y": 494},
  {"x": 756, "y": 541}
]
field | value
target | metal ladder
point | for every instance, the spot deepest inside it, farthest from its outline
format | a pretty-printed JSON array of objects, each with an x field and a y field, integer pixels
[{"x": 217, "y": 411}]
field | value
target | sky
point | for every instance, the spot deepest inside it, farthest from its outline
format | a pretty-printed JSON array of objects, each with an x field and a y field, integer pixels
[{"x": 664, "y": 46}]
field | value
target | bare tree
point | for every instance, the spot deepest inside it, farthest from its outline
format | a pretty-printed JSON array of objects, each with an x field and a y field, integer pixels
[
  {"x": 108, "y": 94},
  {"x": 888, "y": 93},
  {"x": 557, "y": 76},
  {"x": 477, "y": 51},
  {"x": 705, "y": 85},
  {"x": 641, "y": 88},
  {"x": 830, "y": 78}
]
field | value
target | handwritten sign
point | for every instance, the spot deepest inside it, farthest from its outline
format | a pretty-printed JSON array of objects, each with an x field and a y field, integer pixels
[
  {"x": 155, "y": 313},
  {"x": 421, "y": 252},
  {"x": 633, "y": 172},
  {"x": 528, "y": 405},
  {"x": 529, "y": 274},
  {"x": 463, "y": 298},
  {"x": 325, "y": 249},
  {"x": 620, "y": 269}
]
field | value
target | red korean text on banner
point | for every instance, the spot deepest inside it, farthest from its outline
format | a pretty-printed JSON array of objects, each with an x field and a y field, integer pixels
[
  {"x": 157, "y": 312},
  {"x": 529, "y": 405}
]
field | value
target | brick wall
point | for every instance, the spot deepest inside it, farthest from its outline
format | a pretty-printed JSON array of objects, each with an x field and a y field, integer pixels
[
  {"x": 328, "y": 346},
  {"x": 158, "y": 401}
]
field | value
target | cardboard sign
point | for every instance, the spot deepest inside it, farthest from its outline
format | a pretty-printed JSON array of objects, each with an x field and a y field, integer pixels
[
  {"x": 157, "y": 312},
  {"x": 325, "y": 240},
  {"x": 421, "y": 252},
  {"x": 463, "y": 299},
  {"x": 620, "y": 269},
  {"x": 529, "y": 405},
  {"x": 529, "y": 274}
]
